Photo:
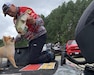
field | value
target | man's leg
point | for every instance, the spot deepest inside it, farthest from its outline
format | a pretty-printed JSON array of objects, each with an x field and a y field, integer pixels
[
  {"x": 36, "y": 56},
  {"x": 35, "y": 47}
]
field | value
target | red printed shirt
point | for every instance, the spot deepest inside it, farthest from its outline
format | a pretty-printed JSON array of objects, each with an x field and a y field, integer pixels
[{"x": 34, "y": 31}]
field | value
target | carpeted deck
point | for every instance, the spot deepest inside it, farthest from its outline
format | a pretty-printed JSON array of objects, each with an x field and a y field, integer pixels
[{"x": 12, "y": 71}]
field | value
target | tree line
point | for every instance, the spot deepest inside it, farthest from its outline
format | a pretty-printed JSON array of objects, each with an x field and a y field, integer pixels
[{"x": 62, "y": 21}]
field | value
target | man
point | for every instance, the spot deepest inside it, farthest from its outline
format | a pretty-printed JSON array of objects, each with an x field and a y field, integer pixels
[{"x": 35, "y": 34}]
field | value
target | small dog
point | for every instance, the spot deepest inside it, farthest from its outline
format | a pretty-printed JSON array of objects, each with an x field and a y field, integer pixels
[{"x": 8, "y": 50}]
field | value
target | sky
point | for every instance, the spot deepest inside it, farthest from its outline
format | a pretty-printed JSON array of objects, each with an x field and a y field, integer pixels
[{"x": 39, "y": 6}]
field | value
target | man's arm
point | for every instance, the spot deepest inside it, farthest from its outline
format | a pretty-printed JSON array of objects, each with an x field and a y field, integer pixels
[{"x": 30, "y": 20}]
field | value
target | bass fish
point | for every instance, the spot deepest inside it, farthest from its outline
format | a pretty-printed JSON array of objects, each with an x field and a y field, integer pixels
[{"x": 21, "y": 24}]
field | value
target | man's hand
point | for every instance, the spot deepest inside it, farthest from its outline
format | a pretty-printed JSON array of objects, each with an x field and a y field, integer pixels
[
  {"x": 18, "y": 38},
  {"x": 30, "y": 20}
]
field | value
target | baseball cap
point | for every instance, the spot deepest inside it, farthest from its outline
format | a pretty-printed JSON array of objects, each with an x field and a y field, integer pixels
[{"x": 6, "y": 7}]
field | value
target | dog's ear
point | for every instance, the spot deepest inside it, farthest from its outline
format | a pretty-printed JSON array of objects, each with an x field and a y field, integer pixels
[
  {"x": 4, "y": 37},
  {"x": 4, "y": 40}
]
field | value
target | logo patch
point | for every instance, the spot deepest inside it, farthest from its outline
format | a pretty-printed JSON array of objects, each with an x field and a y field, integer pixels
[{"x": 28, "y": 11}]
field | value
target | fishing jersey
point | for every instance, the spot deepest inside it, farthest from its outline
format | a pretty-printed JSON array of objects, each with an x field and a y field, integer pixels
[{"x": 33, "y": 30}]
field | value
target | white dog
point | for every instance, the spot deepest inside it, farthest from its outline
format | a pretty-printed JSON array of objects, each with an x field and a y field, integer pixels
[{"x": 8, "y": 50}]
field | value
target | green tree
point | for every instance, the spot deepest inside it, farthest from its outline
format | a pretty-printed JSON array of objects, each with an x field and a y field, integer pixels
[{"x": 62, "y": 21}]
